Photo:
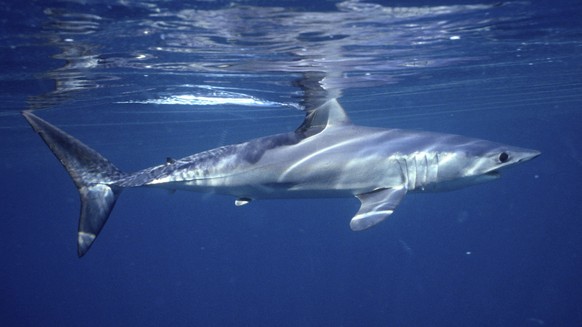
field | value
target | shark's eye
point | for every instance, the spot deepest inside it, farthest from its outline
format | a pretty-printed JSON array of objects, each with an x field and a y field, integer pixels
[{"x": 503, "y": 157}]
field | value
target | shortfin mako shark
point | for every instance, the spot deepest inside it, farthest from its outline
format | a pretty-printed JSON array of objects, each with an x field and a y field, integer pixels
[{"x": 326, "y": 156}]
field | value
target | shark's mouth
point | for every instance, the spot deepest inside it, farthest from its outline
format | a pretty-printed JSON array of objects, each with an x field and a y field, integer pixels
[{"x": 493, "y": 173}]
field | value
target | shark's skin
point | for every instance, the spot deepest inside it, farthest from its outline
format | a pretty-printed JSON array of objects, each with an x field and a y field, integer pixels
[{"x": 327, "y": 156}]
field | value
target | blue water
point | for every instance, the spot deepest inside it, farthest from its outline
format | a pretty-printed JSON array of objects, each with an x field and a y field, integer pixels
[{"x": 142, "y": 81}]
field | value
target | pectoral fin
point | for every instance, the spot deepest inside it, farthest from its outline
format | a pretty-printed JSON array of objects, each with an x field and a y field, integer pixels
[{"x": 376, "y": 206}]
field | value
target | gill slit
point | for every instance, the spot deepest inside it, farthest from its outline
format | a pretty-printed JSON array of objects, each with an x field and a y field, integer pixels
[{"x": 404, "y": 172}]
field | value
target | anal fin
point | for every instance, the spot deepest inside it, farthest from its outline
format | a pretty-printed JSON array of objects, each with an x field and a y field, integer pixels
[
  {"x": 376, "y": 206},
  {"x": 242, "y": 201}
]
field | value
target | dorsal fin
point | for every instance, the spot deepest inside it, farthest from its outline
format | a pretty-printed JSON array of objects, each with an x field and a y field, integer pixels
[{"x": 328, "y": 114}]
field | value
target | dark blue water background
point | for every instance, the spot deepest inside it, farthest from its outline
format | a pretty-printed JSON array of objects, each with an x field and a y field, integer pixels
[{"x": 142, "y": 81}]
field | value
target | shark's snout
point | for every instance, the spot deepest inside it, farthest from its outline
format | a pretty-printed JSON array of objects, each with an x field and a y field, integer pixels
[{"x": 528, "y": 155}]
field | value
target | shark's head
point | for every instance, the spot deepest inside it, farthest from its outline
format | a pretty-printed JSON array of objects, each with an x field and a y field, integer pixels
[{"x": 477, "y": 161}]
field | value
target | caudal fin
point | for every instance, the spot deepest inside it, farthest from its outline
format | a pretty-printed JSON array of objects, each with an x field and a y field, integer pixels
[{"x": 93, "y": 175}]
